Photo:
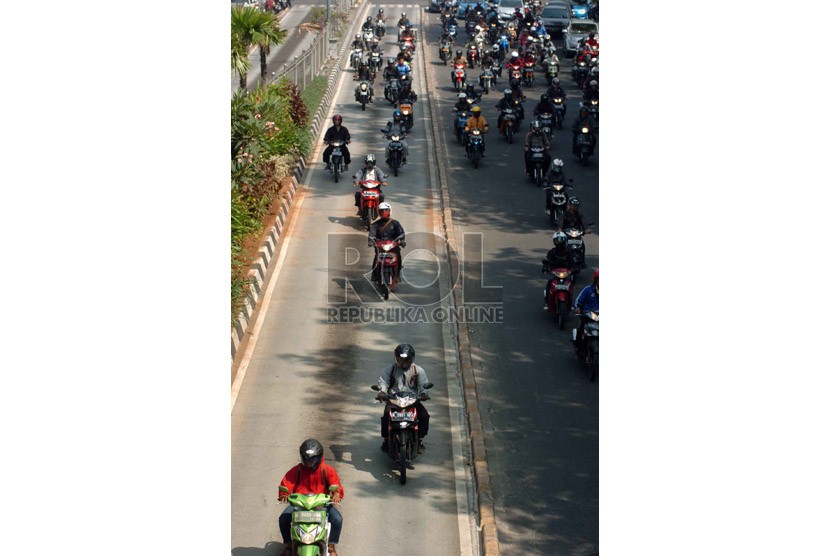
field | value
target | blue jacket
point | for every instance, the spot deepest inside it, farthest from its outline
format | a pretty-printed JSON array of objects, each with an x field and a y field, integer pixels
[{"x": 588, "y": 299}]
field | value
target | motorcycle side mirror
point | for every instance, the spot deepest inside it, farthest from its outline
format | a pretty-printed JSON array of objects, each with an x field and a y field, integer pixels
[
  {"x": 428, "y": 385},
  {"x": 375, "y": 387}
]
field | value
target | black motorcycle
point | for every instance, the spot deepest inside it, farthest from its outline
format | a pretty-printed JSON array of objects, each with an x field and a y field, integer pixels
[
  {"x": 556, "y": 200},
  {"x": 475, "y": 146},
  {"x": 588, "y": 350}
]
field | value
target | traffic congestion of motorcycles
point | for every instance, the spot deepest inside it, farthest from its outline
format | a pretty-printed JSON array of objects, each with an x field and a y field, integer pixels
[{"x": 510, "y": 52}]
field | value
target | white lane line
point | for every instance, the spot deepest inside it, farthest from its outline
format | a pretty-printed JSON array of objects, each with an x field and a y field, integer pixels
[
  {"x": 286, "y": 236},
  {"x": 464, "y": 498}
]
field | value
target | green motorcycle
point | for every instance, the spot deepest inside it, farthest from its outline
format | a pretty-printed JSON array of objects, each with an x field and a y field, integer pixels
[{"x": 310, "y": 526}]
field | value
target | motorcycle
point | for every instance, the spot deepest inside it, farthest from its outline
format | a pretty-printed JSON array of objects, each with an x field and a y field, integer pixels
[
  {"x": 537, "y": 158},
  {"x": 486, "y": 80},
  {"x": 470, "y": 26},
  {"x": 576, "y": 248},
  {"x": 551, "y": 70},
  {"x": 445, "y": 52},
  {"x": 452, "y": 31},
  {"x": 579, "y": 72},
  {"x": 583, "y": 145},
  {"x": 395, "y": 145},
  {"x": 545, "y": 120},
  {"x": 391, "y": 90},
  {"x": 559, "y": 297},
  {"x": 593, "y": 108},
  {"x": 310, "y": 526},
  {"x": 368, "y": 35},
  {"x": 459, "y": 77},
  {"x": 475, "y": 146},
  {"x": 472, "y": 56},
  {"x": 401, "y": 29},
  {"x": 527, "y": 74},
  {"x": 369, "y": 201},
  {"x": 460, "y": 124},
  {"x": 380, "y": 28},
  {"x": 558, "y": 111},
  {"x": 356, "y": 57},
  {"x": 588, "y": 352},
  {"x": 336, "y": 159},
  {"x": 504, "y": 45},
  {"x": 375, "y": 62},
  {"x": 386, "y": 273},
  {"x": 496, "y": 70},
  {"x": 515, "y": 75},
  {"x": 402, "y": 430},
  {"x": 556, "y": 200},
  {"x": 407, "y": 119},
  {"x": 408, "y": 43},
  {"x": 363, "y": 94},
  {"x": 508, "y": 123}
]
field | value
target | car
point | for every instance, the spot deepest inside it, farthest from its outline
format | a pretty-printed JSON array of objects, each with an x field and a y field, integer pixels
[
  {"x": 465, "y": 5},
  {"x": 577, "y": 30},
  {"x": 249, "y": 3},
  {"x": 555, "y": 16},
  {"x": 579, "y": 9},
  {"x": 435, "y": 5},
  {"x": 508, "y": 7}
]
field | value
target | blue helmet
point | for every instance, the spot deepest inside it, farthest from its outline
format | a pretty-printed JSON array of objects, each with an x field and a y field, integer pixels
[{"x": 396, "y": 115}]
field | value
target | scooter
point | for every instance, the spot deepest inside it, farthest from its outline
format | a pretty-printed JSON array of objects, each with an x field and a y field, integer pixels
[
  {"x": 588, "y": 351},
  {"x": 508, "y": 123},
  {"x": 388, "y": 265},
  {"x": 558, "y": 111},
  {"x": 545, "y": 120},
  {"x": 402, "y": 432},
  {"x": 336, "y": 160},
  {"x": 459, "y": 77},
  {"x": 537, "y": 158},
  {"x": 556, "y": 201},
  {"x": 583, "y": 145},
  {"x": 527, "y": 74},
  {"x": 369, "y": 201},
  {"x": 407, "y": 118},
  {"x": 475, "y": 146},
  {"x": 461, "y": 118},
  {"x": 486, "y": 80},
  {"x": 576, "y": 248},
  {"x": 310, "y": 526},
  {"x": 559, "y": 297},
  {"x": 356, "y": 57},
  {"x": 363, "y": 94},
  {"x": 395, "y": 160}
]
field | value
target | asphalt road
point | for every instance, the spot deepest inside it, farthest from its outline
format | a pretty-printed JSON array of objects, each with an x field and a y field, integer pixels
[
  {"x": 540, "y": 413},
  {"x": 308, "y": 377}
]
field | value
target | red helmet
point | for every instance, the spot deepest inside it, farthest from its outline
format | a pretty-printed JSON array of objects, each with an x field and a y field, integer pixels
[{"x": 338, "y": 119}]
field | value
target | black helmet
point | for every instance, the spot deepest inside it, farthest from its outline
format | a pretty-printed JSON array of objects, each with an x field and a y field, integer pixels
[
  {"x": 573, "y": 201},
  {"x": 369, "y": 19},
  {"x": 380, "y": 10},
  {"x": 458, "y": 53},
  {"x": 545, "y": 98},
  {"x": 311, "y": 453},
  {"x": 404, "y": 356}
]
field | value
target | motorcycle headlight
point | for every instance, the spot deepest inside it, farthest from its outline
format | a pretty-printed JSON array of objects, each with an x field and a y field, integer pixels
[
  {"x": 396, "y": 138},
  {"x": 363, "y": 87},
  {"x": 594, "y": 102},
  {"x": 387, "y": 247},
  {"x": 584, "y": 130}
]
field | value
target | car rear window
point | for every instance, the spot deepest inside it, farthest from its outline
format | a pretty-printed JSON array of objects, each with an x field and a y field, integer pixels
[
  {"x": 555, "y": 12},
  {"x": 510, "y": 3}
]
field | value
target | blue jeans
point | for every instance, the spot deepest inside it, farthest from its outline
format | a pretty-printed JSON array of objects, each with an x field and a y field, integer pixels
[{"x": 334, "y": 517}]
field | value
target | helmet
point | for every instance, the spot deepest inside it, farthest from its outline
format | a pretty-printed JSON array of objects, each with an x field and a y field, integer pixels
[
  {"x": 556, "y": 81},
  {"x": 574, "y": 202},
  {"x": 386, "y": 208},
  {"x": 594, "y": 83},
  {"x": 357, "y": 36},
  {"x": 545, "y": 97},
  {"x": 559, "y": 238},
  {"x": 337, "y": 119},
  {"x": 369, "y": 19},
  {"x": 390, "y": 61},
  {"x": 478, "y": 27},
  {"x": 403, "y": 15},
  {"x": 515, "y": 54},
  {"x": 557, "y": 163},
  {"x": 462, "y": 96},
  {"x": 458, "y": 53},
  {"x": 396, "y": 115},
  {"x": 476, "y": 109},
  {"x": 594, "y": 70},
  {"x": 370, "y": 160},
  {"x": 311, "y": 453},
  {"x": 596, "y": 276},
  {"x": 547, "y": 37},
  {"x": 507, "y": 92},
  {"x": 583, "y": 110},
  {"x": 404, "y": 356},
  {"x": 380, "y": 10},
  {"x": 591, "y": 35},
  {"x": 495, "y": 48},
  {"x": 535, "y": 126},
  {"x": 515, "y": 84}
]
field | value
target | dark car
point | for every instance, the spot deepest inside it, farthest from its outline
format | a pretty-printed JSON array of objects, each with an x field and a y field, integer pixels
[{"x": 556, "y": 16}]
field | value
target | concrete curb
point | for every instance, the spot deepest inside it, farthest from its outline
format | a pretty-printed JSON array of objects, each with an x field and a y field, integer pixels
[
  {"x": 267, "y": 251},
  {"x": 489, "y": 537}
]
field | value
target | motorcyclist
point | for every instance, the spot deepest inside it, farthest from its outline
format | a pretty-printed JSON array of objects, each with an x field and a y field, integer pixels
[
  {"x": 591, "y": 91},
  {"x": 557, "y": 257},
  {"x": 403, "y": 21},
  {"x": 477, "y": 121},
  {"x": 544, "y": 106},
  {"x": 506, "y": 102},
  {"x": 528, "y": 58},
  {"x": 407, "y": 34},
  {"x": 518, "y": 98},
  {"x": 364, "y": 74},
  {"x": 404, "y": 374},
  {"x": 472, "y": 96},
  {"x": 385, "y": 227},
  {"x": 585, "y": 120},
  {"x": 514, "y": 62},
  {"x": 459, "y": 60},
  {"x": 311, "y": 476},
  {"x": 461, "y": 103},
  {"x": 572, "y": 218},
  {"x": 395, "y": 127},
  {"x": 488, "y": 57},
  {"x": 556, "y": 174},
  {"x": 380, "y": 17},
  {"x": 402, "y": 66},
  {"x": 536, "y": 138},
  {"x": 368, "y": 25},
  {"x": 406, "y": 93},
  {"x": 592, "y": 43},
  {"x": 368, "y": 172},
  {"x": 357, "y": 43},
  {"x": 390, "y": 71},
  {"x": 587, "y": 301},
  {"x": 337, "y": 132}
]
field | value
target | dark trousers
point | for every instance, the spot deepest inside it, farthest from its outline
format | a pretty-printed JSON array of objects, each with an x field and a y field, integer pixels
[
  {"x": 334, "y": 517},
  {"x": 423, "y": 421},
  {"x": 347, "y": 157}
]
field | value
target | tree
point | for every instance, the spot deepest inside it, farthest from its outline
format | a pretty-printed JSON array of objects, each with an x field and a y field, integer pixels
[{"x": 249, "y": 27}]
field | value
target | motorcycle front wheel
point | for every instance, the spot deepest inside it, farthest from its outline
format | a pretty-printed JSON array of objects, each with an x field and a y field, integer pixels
[
  {"x": 593, "y": 366},
  {"x": 561, "y": 313}
]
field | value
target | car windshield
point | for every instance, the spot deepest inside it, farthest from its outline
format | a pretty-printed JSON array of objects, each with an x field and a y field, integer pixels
[
  {"x": 583, "y": 28},
  {"x": 579, "y": 2},
  {"x": 510, "y": 4},
  {"x": 557, "y": 13}
]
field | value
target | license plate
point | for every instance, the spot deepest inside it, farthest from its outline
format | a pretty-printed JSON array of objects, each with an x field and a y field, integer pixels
[
  {"x": 307, "y": 517},
  {"x": 336, "y": 152},
  {"x": 371, "y": 194},
  {"x": 389, "y": 257},
  {"x": 561, "y": 287},
  {"x": 574, "y": 242},
  {"x": 402, "y": 415}
]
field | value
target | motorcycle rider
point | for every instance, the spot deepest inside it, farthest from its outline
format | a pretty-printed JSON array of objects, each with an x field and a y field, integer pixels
[
  {"x": 506, "y": 102},
  {"x": 572, "y": 217},
  {"x": 380, "y": 17},
  {"x": 337, "y": 132},
  {"x": 395, "y": 127},
  {"x": 385, "y": 227},
  {"x": 556, "y": 174},
  {"x": 404, "y": 374},
  {"x": 477, "y": 121},
  {"x": 536, "y": 138},
  {"x": 368, "y": 25},
  {"x": 514, "y": 62},
  {"x": 472, "y": 96},
  {"x": 357, "y": 43},
  {"x": 311, "y": 476},
  {"x": 585, "y": 120},
  {"x": 407, "y": 94},
  {"x": 592, "y": 43},
  {"x": 586, "y": 302},
  {"x": 364, "y": 74},
  {"x": 459, "y": 60},
  {"x": 544, "y": 106},
  {"x": 461, "y": 103},
  {"x": 402, "y": 66},
  {"x": 402, "y": 22},
  {"x": 368, "y": 172},
  {"x": 591, "y": 91},
  {"x": 557, "y": 257}
]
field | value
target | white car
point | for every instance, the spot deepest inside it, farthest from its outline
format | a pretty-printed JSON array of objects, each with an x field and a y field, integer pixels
[
  {"x": 249, "y": 3},
  {"x": 577, "y": 30},
  {"x": 508, "y": 7}
]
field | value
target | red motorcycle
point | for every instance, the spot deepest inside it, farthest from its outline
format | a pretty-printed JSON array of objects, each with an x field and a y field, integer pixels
[
  {"x": 408, "y": 43},
  {"x": 527, "y": 74},
  {"x": 559, "y": 298},
  {"x": 515, "y": 75},
  {"x": 459, "y": 77},
  {"x": 386, "y": 265},
  {"x": 369, "y": 201},
  {"x": 472, "y": 56}
]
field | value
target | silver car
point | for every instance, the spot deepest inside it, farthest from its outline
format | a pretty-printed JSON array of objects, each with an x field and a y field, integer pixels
[
  {"x": 577, "y": 30},
  {"x": 556, "y": 16}
]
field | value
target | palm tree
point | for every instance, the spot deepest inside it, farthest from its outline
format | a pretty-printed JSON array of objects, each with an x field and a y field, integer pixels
[{"x": 250, "y": 26}]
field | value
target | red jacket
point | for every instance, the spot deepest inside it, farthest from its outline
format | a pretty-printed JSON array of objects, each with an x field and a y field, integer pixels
[{"x": 311, "y": 482}]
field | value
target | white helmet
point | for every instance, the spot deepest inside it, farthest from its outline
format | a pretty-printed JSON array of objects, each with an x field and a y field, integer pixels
[
  {"x": 559, "y": 238},
  {"x": 594, "y": 83},
  {"x": 514, "y": 54},
  {"x": 478, "y": 28},
  {"x": 385, "y": 206},
  {"x": 508, "y": 92},
  {"x": 558, "y": 162},
  {"x": 462, "y": 96},
  {"x": 594, "y": 70}
]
